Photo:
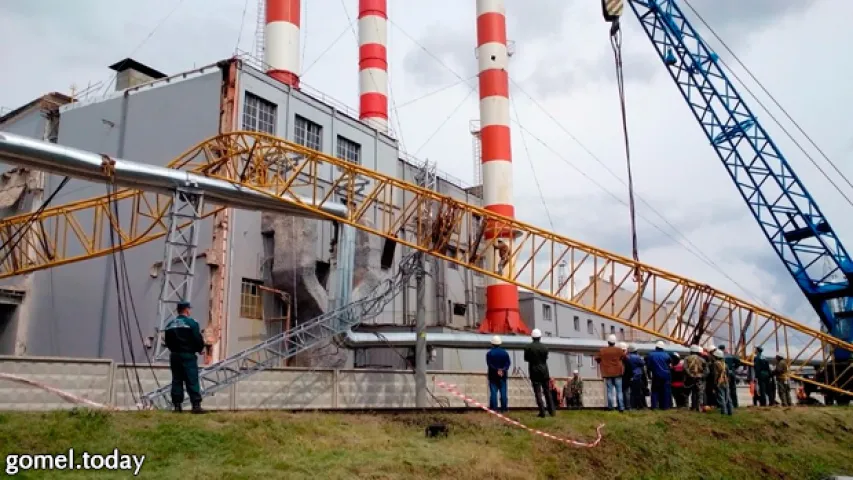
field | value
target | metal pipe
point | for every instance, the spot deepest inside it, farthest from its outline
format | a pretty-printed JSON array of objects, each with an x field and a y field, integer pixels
[
  {"x": 61, "y": 160},
  {"x": 478, "y": 341}
]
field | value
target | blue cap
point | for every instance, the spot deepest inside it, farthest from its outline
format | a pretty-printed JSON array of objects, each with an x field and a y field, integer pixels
[{"x": 183, "y": 305}]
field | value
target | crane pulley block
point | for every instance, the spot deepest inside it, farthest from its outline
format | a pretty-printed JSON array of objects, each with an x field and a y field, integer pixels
[{"x": 612, "y": 10}]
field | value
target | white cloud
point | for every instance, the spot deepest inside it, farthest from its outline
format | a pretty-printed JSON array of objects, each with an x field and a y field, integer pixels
[{"x": 562, "y": 59}]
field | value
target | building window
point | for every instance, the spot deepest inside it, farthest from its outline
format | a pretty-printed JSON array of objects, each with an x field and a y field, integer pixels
[
  {"x": 612, "y": 330},
  {"x": 622, "y": 333},
  {"x": 546, "y": 313},
  {"x": 258, "y": 114},
  {"x": 603, "y": 333},
  {"x": 591, "y": 361},
  {"x": 349, "y": 150},
  {"x": 579, "y": 361},
  {"x": 251, "y": 303},
  {"x": 577, "y": 324},
  {"x": 589, "y": 328},
  {"x": 308, "y": 133}
]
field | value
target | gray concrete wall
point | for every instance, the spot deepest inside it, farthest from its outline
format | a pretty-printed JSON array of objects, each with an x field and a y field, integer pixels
[
  {"x": 291, "y": 388},
  {"x": 76, "y": 311}
]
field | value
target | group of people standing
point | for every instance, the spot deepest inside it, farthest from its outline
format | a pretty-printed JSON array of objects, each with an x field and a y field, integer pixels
[{"x": 706, "y": 378}]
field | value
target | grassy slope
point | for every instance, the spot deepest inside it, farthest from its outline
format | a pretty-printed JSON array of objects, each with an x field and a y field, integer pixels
[{"x": 792, "y": 443}]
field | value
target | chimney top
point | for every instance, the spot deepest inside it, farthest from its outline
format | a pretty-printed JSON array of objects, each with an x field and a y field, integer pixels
[{"x": 130, "y": 73}]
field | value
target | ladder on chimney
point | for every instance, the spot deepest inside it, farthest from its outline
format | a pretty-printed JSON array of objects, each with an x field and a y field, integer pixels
[
  {"x": 275, "y": 350},
  {"x": 258, "y": 50}
]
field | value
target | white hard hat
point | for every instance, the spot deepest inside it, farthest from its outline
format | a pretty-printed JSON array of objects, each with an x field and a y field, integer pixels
[
  {"x": 496, "y": 340},
  {"x": 623, "y": 345},
  {"x": 575, "y": 372},
  {"x": 611, "y": 339},
  {"x": 536, "y": 333},
  {"x": 695, "y": 349},
  {"x": 659, "y": 344},
  {"x": 719, "y": 354},
  {"x": 711, "y": 348}
]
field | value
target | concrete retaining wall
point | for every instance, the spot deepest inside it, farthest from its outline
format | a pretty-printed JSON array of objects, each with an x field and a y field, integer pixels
[
  {"x": 282, "y": 388},
  {"x": 104, "y": 381}
]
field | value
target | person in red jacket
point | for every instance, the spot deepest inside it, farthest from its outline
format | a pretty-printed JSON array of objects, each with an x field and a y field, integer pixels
[{"x": 679, "y": 393}]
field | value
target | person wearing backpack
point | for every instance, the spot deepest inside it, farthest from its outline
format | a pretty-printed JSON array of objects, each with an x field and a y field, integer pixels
[
  {"x": 696, "y": 369},
  {"x": 720, "y": 376}
]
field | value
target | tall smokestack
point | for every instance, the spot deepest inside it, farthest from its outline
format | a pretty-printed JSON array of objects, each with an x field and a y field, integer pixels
[
  {"x": 373, "y": 63},
  {"x": 502, "y": 315},
  {"x": 281, "y": 41}
]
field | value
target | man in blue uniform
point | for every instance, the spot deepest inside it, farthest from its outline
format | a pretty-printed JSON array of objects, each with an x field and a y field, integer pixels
[
  {"x": 184, "y": 341},
  {"x": 498, "y": 362},
  {"x": 658, "y": 364}
]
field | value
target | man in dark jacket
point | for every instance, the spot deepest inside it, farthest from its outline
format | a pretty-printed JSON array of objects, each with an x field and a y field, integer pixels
[
  {"x": 498, "y": 363},
  {"x": 637, "y": 377},
  {"x": 536, "y": 356},
  {"x": 762, "y": 376},
  {"x": 184, "y": 341}
]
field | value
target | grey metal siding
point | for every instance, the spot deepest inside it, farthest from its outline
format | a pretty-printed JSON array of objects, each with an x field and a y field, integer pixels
[{"x": 79, "y": 299}]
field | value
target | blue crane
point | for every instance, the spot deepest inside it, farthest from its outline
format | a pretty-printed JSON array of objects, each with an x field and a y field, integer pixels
[{"x": 787, "y": 214}]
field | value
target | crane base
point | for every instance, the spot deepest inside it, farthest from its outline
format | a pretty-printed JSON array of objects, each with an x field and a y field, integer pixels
[{"x": 504, "y": 322}]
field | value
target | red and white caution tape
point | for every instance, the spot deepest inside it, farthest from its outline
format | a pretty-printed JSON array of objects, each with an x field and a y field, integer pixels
[
  {"x": 453, "y": 390},
  {"x": 63, "y": 394}
]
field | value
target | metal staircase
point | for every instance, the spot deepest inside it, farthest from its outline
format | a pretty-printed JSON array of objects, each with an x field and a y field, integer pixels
[{"x": 274, "y": 350}]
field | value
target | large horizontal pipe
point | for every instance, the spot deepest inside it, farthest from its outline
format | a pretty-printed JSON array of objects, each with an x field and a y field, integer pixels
[
  {"x": 71, "y": 162},
  {"x": 475, "y": 341},
  {"x": 479, "y": 341}
]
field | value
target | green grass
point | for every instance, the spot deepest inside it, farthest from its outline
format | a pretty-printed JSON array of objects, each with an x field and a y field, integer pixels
[{"x": 796, "y": 443}]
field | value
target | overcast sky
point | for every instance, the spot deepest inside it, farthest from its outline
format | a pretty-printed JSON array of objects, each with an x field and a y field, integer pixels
[{"x": 564, "y": 95}]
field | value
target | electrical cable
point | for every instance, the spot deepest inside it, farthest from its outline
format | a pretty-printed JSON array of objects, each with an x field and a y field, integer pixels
[
  {"x": 435, "y": 92},
  {"x": 143, "y": 42},
  {"x": 18, "y": 235},
  {"x": 781, "y": 108},
  {"x": 616, "y": 43},
  {"x": 690, "y": 247},
  {"x": 532, "y": 167},
  {"x": 118, "y": 300},
  {"x": 242, "y": 23},
  {"x": 442, "y": 124},
  {"x": 326, "y": 50}
]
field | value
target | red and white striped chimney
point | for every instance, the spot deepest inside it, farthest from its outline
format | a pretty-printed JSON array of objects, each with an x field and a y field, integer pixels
[
  {"x": 502, "y": 315},
  {"x": 373, "y": 63},
  {"x": 281, "y": 41}
]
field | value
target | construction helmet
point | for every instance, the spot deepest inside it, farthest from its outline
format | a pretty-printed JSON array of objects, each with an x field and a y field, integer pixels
[
  {"x": 536, "y": 333},
  {"x": 575, "y": 372},
  {"x": 711, "y": 348},
  {"x": 719, "y": 354},
  {"x": 623, "y": 346},
  {"x": 632, "y": 348},
  {"x": 611, "y": 339},
  {"x": 659, "y": 344},
  {"x": 695, "y": 349},
  {"x": 496, "y": 340}
]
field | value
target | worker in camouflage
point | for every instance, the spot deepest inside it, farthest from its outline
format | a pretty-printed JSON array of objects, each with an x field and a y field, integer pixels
[
  {"x": 762, "y": 376},
  {"x": 576, "y": 390},
  {"x": 184, "y": 341},
  {"x": 783, "y": 388},
  {"x": 696, "y": 370},
  {"x": 732, "y": 364},
  {"x": 720, "y": 377}
]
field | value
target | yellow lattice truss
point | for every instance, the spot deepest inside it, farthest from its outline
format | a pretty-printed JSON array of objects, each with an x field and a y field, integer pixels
[{"x": 662, "y": 304}]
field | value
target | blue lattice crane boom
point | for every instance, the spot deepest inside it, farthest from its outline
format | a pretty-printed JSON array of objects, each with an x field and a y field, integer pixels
[{"x": 788, "y": 215}]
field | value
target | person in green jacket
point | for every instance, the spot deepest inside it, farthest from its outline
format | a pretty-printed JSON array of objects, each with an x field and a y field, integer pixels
[
  {"x": 762, "y": 376},
  {"x": 184, "y": 341}
]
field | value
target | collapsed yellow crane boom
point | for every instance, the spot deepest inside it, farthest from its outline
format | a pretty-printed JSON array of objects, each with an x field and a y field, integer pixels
[{"x": 662, "y": 304}]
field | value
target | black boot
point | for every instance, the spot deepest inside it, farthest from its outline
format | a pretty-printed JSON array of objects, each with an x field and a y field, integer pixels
[
  {"x": 177, "y": 406},
  {"x": 197, "y": 409}
]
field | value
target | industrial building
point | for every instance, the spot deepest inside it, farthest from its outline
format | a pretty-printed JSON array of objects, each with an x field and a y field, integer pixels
[{"x": 69, "y": 311}]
